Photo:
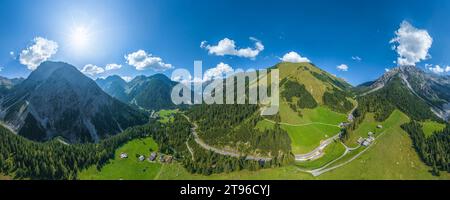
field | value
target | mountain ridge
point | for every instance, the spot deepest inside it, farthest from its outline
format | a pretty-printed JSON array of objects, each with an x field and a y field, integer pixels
[
  {"x": 431, "y": 88},
  {"x": 145, "y": 92},
  {"x": 58, "y": 100}
]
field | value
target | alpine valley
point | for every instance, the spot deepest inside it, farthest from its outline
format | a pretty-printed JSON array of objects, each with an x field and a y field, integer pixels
[{"x": 60, "y": 124}]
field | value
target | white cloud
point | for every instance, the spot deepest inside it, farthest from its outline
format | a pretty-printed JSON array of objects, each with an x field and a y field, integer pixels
[
  {"x": 342, "y": 67},
  {"x": 438, "y": 69},
  {"x": 411, "y": 44},
  {"x": 127, "y": 78},
  {"x": 220, "y": 71},
  {"x": 294, "y": 57},
  {"x": 188, "y": 80},
  {"x": 112, "y": 66},
  {"x": 217, "y": 72},
  {"x": 356, "y": 58},
  {"x": 143, "y": 60},
  {"x": 92, "y": 70},
  {"x": 228, "y": 47},
  {"x": 41, "y": 50}
]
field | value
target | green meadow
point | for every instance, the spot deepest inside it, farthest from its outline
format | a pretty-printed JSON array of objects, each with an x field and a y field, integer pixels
[
  {"x": 127, "y": 168},
  {"x": 369, "y": 124},
  {"x": 166, "y": 115},
  {"x": 331, "y": 152},
  {"x": 391, "y": 156},
  {"x": 306, "y": 138},
  {"x": 307, "y": 131},
  {"x": 429, "y": 127}
]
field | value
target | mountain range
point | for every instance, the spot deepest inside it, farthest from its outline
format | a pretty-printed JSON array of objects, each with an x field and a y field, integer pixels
[
  {"x": 147, "y": 93},
  {"x": 429, "y": 90},
  {"x": 321, "y": 119},
  {"x": 58, "y": 100}
]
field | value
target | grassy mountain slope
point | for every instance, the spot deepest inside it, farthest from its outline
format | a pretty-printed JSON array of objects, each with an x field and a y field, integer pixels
[
  {"x": 391, "y": 157},
  {"x": 307, "y": 116}
]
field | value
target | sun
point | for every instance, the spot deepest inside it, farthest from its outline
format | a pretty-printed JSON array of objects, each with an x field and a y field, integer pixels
[{"x": 79, "y": 37}]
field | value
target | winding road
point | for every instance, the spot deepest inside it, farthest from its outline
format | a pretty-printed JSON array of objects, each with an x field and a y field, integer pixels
[
  {"x": 317, "y": 152},
  {"x": 236, "y": 154}
]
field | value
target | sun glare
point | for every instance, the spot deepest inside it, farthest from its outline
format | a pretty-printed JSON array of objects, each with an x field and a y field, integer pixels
[{"x": 79, "y": 37}]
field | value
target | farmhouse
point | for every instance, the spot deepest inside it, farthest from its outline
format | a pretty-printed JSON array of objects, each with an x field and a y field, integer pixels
[
  {"x": 370, "y": 133},
  {"x": 153, "y": 156},
  {"x": 141, "y": 158},
  {"x": 366, "y": 143},
  {"x": 360, "y": 140},
  {"x": 261, "y": 162},
  {"x": 123, "y": 155},
  {"x": 379, "y": 126},
  {"x": 168, "y": 159}
]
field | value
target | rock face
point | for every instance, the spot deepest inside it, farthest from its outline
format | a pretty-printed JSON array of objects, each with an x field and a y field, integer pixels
[
  {"x": 149, "y": 93},
  {"x": 115, "y": 86},
  {"x": 58, "y": 100},
  {"x": 433, "y": 89}
]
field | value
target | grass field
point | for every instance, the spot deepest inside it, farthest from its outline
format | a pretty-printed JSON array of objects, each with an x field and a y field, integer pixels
[
  {"x": 304, "y": 138},
  {"x": 429, "y": 127},
  {"x": 390, "y": 157},
  {"x": 369, "y": 124},
  {"x": 304, "y": 132},
  {"x": 166, "y": 115},
  {"x": 129, "y": 168},
  {"x": 319, "y": 114},
  {"x": 331, "y": 152},
  {"x": 348, "y": 156}
]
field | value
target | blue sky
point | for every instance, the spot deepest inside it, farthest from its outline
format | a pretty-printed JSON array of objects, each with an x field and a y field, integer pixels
[{"x": 327, "y": 32}]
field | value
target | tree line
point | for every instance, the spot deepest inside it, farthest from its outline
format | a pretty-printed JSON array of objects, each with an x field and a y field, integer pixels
[{"x": 434, "y": 150}]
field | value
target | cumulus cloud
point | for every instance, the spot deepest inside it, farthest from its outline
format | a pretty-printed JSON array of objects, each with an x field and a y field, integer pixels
[
  {"x": 228, "y": 47},
  {"x": 112, "y": 66},
  {"x": 438, "y": 69},
  {"x": 294, "y": 57},
  {"x": 127, "y": 78},
  {"x": 342, "y": 67},
  {"x": 92, "y": 70},
  {"x": 356, "y": 58},
  {"x": 41, "y": 50},
  {"x": 219, "y": 71},
  {"x": 142, "y": 60},
  {"x": 411, "y": 44}
]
